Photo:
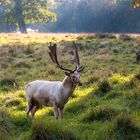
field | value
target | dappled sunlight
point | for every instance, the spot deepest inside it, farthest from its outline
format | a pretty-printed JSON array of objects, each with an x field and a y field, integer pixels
[
  {"x": 12, "y": 94},
  {"x": 82, "y": 92},
  {"x": 118, "y": 78},
  {"x": 43, "y": 111},
  {"x": 17, "y": 114}
]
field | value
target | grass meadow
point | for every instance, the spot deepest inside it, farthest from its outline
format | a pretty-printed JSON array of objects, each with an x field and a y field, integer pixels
[{"x": 105, "y": 107}]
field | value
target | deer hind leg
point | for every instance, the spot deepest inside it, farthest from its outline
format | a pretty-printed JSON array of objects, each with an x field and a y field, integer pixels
[
  {"x": 35, "y": 108},
  {"x": 29, "y": 107}
]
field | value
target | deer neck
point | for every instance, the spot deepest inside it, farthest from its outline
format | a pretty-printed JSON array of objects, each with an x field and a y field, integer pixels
[{"x": 67, "y": 87}]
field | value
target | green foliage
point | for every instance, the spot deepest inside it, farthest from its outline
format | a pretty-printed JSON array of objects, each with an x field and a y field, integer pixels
[
  {"x": 136, "y": 4},
  {"x": 21, "y": 12},
  {"x": 7, "y": 84},
  {"x": 37, "y": 11},
  {"x": 13, "y": 102}
]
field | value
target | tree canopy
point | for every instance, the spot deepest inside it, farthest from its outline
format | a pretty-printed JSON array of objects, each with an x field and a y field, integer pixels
[
  {"x": 136, "y": 3},
  {"x": 23, "y": 12}
]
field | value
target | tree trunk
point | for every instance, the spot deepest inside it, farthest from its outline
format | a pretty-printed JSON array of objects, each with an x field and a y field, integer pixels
[
  {"x": 21, "y": 24},
  {"x": 19, "y": 16}
]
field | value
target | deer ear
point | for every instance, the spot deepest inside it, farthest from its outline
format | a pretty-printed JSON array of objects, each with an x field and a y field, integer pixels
[{"x": 67, "y": 73}]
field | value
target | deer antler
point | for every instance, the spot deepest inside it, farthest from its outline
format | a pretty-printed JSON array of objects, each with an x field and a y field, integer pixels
[
  {"x": 76, "y": 56},
  {"x": 76, "y": 59},
  {"x": 53, "y": 56}
]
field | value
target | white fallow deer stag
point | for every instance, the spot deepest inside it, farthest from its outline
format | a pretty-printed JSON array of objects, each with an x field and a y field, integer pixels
[{"x": 54, "y": 93}]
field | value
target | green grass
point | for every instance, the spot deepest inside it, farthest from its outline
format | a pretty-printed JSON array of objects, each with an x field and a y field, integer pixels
[{"x": 105, "y": 107}]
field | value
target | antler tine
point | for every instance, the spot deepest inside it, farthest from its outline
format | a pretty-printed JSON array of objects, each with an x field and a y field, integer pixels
[
  {"x": 53, "y": 56},
  {"x": 76, "y": 56},
  {"x": 79, "y": 68}
]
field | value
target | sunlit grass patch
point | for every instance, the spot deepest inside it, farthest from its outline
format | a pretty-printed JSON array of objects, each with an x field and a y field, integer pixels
[
  {"x": 45, "y": 111},
  {"x": 14, "y": 102},
  {"x": 21, "y": 93},
  {"x": 82, "y": 92},
  {"x": 118, "y": 78},
  {"x": 32, "y": 39}
]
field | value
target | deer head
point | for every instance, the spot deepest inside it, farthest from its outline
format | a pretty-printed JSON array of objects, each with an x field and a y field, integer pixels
[{"x": 74, "y": 75}]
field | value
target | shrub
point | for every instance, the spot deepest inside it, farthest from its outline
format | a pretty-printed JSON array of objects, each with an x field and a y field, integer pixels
[
  {"x": 49, "y": 131},
  {"x": 115, "y": 51},
  {"x": 104, "y": 86},
  {"x": 14, "y": 102},
  {"x": 125, "y": 37},
  {"x": 102, "y": 114},
  {"x": 101, "y": 35},
  {"x": 125, "y": 125},
  {"x": 80, "y": 38},
  {"x": 8, "y": 82},
  {"x": 125, "y": 129},
  {"x": 111, "y": 36}
]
